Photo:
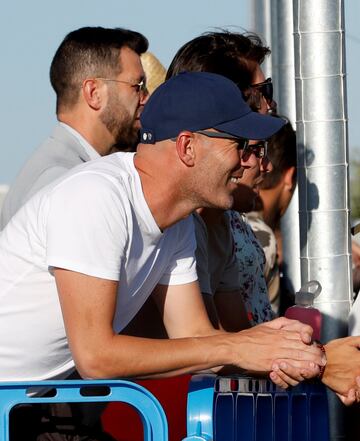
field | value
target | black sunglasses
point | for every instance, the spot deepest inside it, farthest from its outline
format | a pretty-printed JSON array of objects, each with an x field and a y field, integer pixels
[
  {"x": 259, "y": 148},
  {"x": 265, "y": 88},
  {"x": 242, "y": 142}
]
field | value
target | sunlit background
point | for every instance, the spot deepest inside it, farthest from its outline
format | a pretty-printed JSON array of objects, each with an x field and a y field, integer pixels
[{"x": 32, "y": 31}]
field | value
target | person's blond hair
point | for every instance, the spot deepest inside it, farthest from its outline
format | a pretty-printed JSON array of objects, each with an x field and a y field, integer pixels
[{"x": 155, "y": 72}]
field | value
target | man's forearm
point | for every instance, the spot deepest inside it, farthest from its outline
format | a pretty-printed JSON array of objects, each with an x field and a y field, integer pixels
[
  {"x": 88, "y": 305},
  {"x": 126, "y": 356},
  {"x": 254, "y": 349}
]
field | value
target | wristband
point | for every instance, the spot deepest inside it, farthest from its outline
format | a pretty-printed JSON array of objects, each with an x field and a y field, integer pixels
[{"x": 322, "y": 349}]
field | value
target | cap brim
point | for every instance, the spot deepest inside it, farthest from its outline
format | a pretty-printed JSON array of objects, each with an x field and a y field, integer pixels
[{"x": 252, "y": 126}]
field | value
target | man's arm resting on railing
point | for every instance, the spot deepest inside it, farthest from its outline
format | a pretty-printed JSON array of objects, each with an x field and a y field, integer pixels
[{"x": 88, "y": 305}]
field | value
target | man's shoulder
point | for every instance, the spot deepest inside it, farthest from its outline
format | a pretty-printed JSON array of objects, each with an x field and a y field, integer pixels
[
  {"x": 60, "y": 148},
  {"x": 57, "y": 154},
  {"x": 105, "y": 178}
]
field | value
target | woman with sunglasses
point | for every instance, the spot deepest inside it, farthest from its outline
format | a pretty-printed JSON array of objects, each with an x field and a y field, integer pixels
[{"x": 238, "y": 57}]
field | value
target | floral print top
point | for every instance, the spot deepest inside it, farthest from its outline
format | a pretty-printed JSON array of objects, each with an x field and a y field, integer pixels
[{"x": 251, "y": 262}]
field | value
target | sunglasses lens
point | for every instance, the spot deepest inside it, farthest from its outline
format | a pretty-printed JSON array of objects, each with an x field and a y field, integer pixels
[
  {"x": 259, "y": 150},
  {"x": 246, "y": 152},
  {"x": 267, "y": 91}
]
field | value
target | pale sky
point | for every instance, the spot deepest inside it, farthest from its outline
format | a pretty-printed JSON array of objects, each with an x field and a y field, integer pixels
[{"x": 31, "y": 32}]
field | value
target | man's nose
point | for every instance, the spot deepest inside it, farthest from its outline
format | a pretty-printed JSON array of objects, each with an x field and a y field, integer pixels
[
  {"x": 271, "y": 107},
  {"x": 144, "y": 96}
]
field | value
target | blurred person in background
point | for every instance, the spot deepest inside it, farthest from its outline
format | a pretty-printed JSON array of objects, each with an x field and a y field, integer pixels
[
  {"x": 155, "y": 72},
  {"x": 274, "y": 195}
]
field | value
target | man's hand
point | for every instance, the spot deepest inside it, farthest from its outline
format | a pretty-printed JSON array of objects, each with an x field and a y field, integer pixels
[
  {"x": 281, "y": 343},
  {"x": 285, "y": 372},
  {"x": 343, "y": 366},
  {"x": 291, "y": 372},
  {"x": 353, "y": 395},
  {"x": 304, "y": 330}
]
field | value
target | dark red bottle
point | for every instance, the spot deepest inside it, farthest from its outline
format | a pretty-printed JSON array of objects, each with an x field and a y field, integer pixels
[{"x": 304, "y": 311}]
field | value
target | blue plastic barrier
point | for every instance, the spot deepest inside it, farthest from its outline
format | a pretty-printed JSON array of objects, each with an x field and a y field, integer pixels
[
  {"x": 252, "y": 409},
  {"x": 76, "y": 391}
]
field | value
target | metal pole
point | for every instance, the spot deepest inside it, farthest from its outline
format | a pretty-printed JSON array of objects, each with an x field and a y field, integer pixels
[
  {"x": 284, "y": 68},
  {"x": 284, "y": 81},
  {"x": 275, "y": 35},
  {"x": 323, "y": 163},
  {"x": 261, "y": 25}
]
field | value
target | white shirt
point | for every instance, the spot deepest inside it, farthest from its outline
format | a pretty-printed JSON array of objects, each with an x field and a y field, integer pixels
[{"x": 95, "y": 221}]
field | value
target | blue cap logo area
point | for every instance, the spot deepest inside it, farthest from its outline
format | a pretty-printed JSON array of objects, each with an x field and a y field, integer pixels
[
  {"x": 147, "y": 137},
  {"x": 200, "y": 100}
]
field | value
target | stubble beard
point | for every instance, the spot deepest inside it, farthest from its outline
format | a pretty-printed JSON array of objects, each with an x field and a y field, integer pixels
[
  {"x": 120, "y": 124},
  {"x": 209, "y": 199}
]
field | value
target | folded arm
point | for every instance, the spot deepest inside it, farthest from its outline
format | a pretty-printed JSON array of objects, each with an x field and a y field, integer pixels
[{"x": 88, "y": 305}]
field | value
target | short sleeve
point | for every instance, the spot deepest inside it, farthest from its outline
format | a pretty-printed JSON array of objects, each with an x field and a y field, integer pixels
[{"x": 87, "y": 226}]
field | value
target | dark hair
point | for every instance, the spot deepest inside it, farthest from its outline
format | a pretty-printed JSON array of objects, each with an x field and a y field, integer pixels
[
  {"x": 89, "y": 52},
  {"x": 225, "y": 53},
  {"x": 282, "y": 154}
]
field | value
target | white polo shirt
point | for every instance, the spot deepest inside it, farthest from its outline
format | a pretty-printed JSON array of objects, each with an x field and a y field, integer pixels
[{"x": 93, "y": 220}]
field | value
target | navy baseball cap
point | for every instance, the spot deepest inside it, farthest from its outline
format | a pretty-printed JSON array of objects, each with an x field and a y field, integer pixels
[{"x": 201, "y": 100}]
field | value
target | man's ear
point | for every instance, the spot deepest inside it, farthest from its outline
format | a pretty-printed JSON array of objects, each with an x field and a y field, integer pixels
[
  {"x": 289, "y": 178},
  {"x": 92, "y": 93},
  {"x": 185, "y": 148}
]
